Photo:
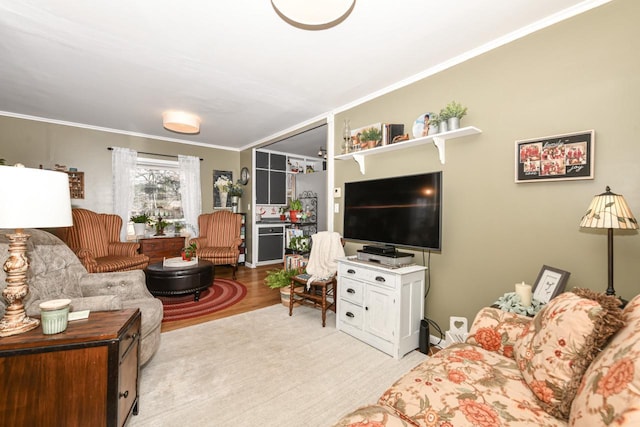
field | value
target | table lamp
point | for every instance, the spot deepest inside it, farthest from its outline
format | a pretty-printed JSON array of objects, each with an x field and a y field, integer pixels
[
  {"x": 609, "y": 210},
  {"x": 29, "y": 198}
]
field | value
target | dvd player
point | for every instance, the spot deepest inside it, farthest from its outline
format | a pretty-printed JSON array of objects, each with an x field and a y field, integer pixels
[
  {"x": 379, "y": 249},
  {"x": 395, "y": 259}
]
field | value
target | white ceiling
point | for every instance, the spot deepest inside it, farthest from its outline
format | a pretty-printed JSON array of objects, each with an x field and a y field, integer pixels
[{"x": 117, "y": 65}]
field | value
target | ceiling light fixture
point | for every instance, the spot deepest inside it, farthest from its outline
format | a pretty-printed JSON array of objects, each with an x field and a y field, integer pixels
[
  {"x": 313, "y": 14},
  {"x": 181, "y": 122}
]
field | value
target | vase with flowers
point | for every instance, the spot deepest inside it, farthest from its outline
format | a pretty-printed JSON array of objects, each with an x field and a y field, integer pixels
[{"x": 235, "y": 191}]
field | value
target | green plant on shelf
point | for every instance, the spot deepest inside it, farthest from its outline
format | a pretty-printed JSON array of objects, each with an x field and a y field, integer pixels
[
  {"x": 453, "y": 109},
  {"x": 299, "y": 243},
  {"x": 235, "y": 190},
  {"x": 295, "y": 205},
  {"x": 371, "y": 134}
]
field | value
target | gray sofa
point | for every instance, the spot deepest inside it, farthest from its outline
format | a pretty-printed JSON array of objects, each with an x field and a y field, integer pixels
[{"x": 55, "y": 272}]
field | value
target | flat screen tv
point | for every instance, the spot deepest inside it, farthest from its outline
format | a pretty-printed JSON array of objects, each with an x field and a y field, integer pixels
[{"x": 403, "y": 211}]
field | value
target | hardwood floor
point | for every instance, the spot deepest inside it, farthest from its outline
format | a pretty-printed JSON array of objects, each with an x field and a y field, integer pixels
[{"x": 258, "y": 295}]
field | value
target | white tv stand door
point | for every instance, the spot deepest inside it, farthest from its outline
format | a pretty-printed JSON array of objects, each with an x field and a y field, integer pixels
[{"x": 379, "y": 305}]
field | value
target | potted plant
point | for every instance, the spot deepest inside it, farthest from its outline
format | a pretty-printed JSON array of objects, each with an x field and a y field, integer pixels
[
  {"x": 282, "y": 214},
  {"x": 189, "y": 252},
  {"x": 160, "y": 225},
  {"x": 370, "y": 137},
  {"x": 299, "y": 244},
  {"x": 177, "y": 227},
  {"x": 281, "y": 279},
  {"x": 454, "y": 111},
  {"x": 434, "y": 123},
  {"x": 140, "y": 223},
  {"x": 235, "y": 191},
  {"x": 295, "y": 206}
]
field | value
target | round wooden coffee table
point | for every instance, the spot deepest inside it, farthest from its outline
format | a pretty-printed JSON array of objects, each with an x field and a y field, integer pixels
[{"x": 169, "y": 281}]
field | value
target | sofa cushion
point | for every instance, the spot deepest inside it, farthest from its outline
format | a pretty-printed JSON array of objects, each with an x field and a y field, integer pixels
[
  {"x": 609, "y": 394},
  {"x": 497, "y": 330},
  {"x": 560, "y": 343},
  {"x": 465, "y": 385}
]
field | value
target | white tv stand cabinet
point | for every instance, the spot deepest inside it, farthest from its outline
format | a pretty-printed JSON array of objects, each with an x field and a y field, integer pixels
[{"x": 379, "y": 305}]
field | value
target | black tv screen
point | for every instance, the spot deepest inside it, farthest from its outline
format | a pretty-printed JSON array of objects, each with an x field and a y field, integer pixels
[{"x": 401, "y": 211}]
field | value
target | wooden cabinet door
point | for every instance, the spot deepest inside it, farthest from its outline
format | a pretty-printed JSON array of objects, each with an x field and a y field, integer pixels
[{"x": 379, "y": 312}]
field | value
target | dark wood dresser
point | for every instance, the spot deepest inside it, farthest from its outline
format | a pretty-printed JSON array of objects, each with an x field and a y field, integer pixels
[
  {"x": 157, "y": 248},
  {"x": 87, "y": 375}
]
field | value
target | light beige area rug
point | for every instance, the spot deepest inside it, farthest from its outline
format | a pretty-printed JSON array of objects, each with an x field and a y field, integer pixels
[{"x": 263, "y": 368}]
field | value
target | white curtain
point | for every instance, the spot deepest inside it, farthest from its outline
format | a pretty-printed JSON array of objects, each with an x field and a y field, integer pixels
[
  {"x": 123, "y": 170},
  {"x": 190, "y": 191}
]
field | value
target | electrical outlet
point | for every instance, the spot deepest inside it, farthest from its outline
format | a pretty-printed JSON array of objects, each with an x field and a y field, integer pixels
[
  {"x": 336, "y": 208},
  {"x": 436, "y": 341},
  {"x": 337, "y": 192}
]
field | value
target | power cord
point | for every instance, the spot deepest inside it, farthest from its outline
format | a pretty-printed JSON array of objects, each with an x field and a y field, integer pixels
[{"x": 427, "y": 263}]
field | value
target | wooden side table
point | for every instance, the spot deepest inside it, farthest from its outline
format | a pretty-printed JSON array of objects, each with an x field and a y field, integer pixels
[
  {"x": 157, "y": 248},
  {"x": 87, "y": 375}
]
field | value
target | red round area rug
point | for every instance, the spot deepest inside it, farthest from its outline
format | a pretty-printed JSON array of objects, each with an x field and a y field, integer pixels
[{"x": 222, "y": 294}]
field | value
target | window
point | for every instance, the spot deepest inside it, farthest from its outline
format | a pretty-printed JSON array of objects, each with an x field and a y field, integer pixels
[{"x": 157, "y": 190}]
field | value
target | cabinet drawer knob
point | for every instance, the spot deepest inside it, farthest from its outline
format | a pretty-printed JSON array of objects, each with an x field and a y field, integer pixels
[
  {"x": 380, "y": 279},
  {"x": 350, "y": 314},
  {"x": 351, "y": 291},
  {"x": 351, "y": 271},
  {"x": 125, "y": 394}
]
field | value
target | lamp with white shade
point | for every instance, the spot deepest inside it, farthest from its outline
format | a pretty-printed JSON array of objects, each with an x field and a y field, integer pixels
[
  {"x": 30, "y": 198},
  {"x": 608, "y": 211}
]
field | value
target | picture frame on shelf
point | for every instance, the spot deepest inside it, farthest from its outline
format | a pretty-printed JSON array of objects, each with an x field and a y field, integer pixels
[
  {"x": 550, "y": 283},
  {"x": 568, "y": 156}
]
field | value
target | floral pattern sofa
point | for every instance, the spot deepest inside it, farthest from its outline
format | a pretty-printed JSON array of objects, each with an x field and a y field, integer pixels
[{"x": 576, "y": 363}]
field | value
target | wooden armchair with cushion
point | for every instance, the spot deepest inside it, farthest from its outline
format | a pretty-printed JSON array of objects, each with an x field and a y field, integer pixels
[
  {"x": 95, "y": 239},
  {"x": 219, "y": 239}
]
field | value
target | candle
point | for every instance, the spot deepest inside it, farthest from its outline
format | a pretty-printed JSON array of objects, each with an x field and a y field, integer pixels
[{"x": 524, "y": 292}]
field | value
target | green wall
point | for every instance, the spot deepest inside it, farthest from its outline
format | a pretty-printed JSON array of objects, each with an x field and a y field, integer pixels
[
  {"x": 580, "y": 74},
  {"x": 38, "y": 143}
]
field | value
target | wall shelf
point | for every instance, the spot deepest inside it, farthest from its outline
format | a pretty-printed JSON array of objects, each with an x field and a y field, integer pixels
[{"x": 437, "y": 139}]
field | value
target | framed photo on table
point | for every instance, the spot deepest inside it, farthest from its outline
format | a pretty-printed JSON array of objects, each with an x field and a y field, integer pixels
[
  {"x": 552, "y": 158},
  {"x": 550, "y": 282}
]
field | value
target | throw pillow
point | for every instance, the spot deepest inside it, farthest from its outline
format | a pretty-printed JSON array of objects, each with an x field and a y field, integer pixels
[
  {"x": 556, "y": 348},
  {"x": 497, "y": 330},
  {"x": 608, "y": 394}
]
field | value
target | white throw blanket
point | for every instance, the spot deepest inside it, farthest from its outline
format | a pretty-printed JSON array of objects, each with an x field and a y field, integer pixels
[{"x": 326, "y": 248}]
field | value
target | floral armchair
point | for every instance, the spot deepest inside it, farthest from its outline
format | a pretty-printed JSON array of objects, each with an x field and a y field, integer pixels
[
  {"x": 95, "y": 239},
  {"x": 219, "y": 239}
]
